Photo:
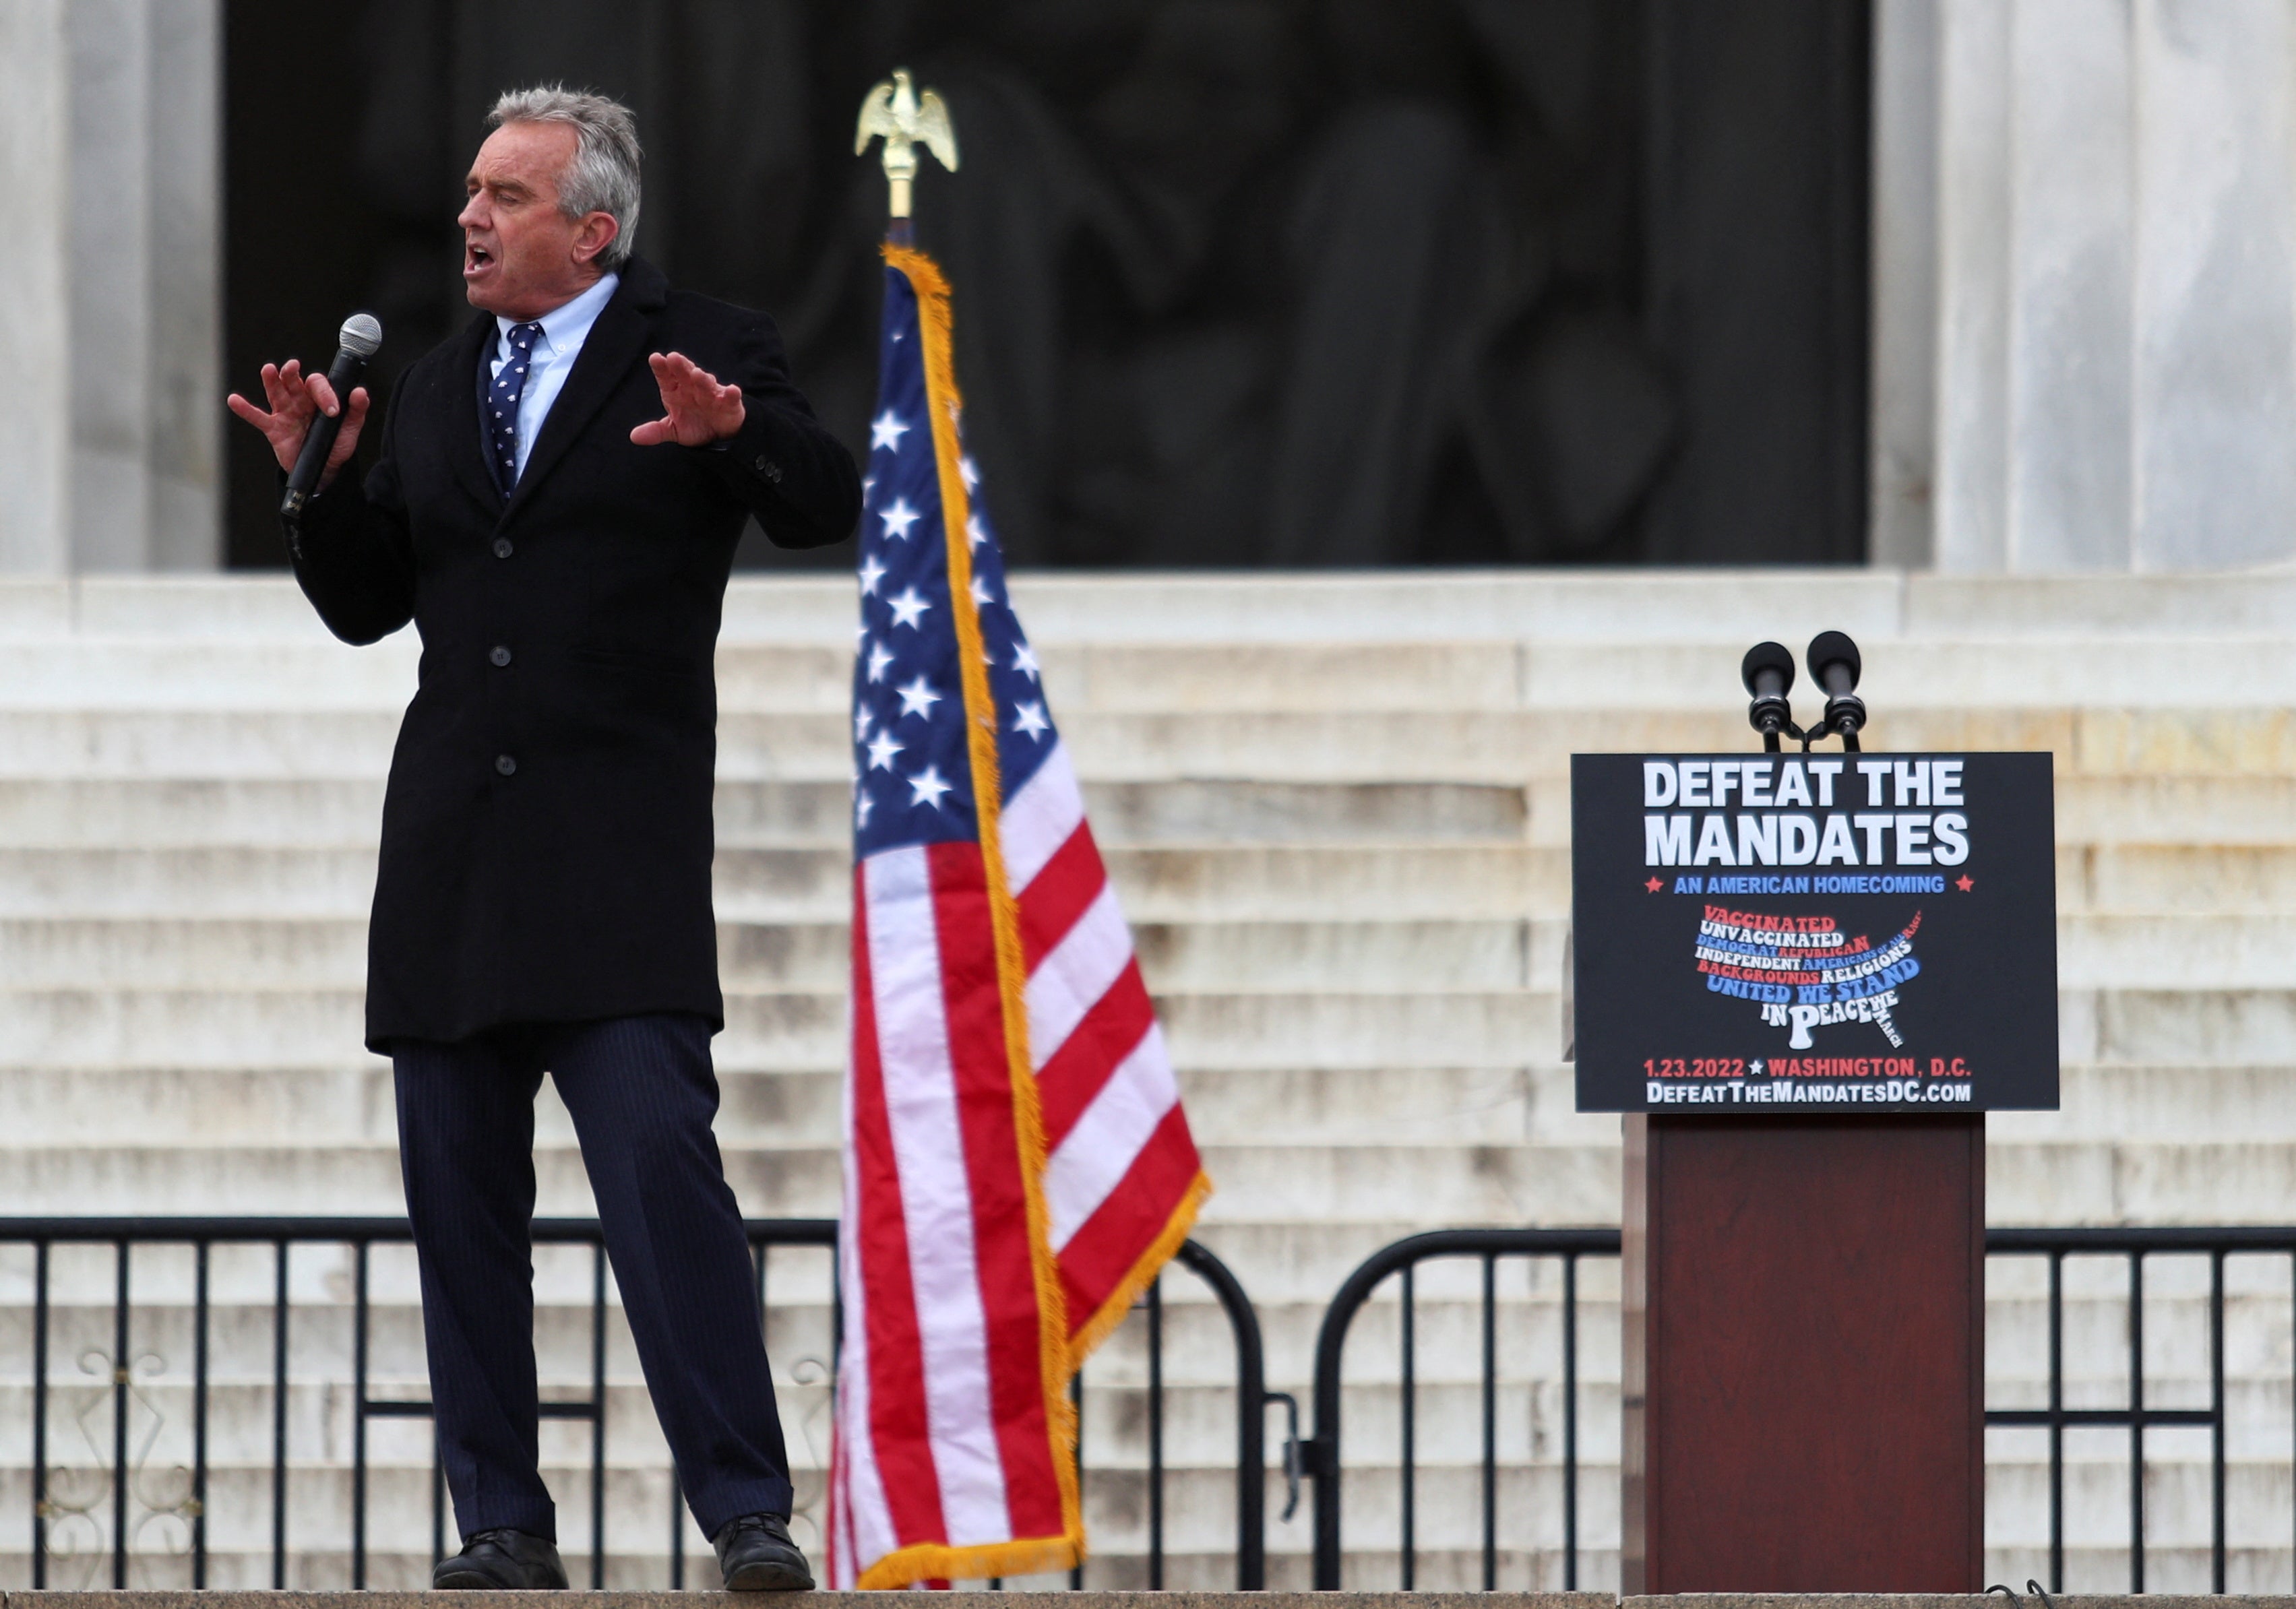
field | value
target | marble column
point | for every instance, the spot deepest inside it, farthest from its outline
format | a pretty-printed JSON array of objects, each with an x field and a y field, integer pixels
[
  {"x": 1903, "y": 440},
  {"x": 35, "y": 421},
  {"x": 2113, "y": 236},
  {"x": 2215, "y": 346},
  {"x": 110, "y": 306},
  {"x": 1972, "y": 252},
  {"x": 146, "y": 307},
  {"x": 2069, "y": 248}
]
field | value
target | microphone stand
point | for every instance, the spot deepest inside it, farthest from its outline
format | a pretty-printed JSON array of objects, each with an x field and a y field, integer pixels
[{"x": 1767, "y": 671}]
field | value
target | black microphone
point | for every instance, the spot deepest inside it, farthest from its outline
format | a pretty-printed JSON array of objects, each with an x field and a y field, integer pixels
[
  {"x": 1834, "y": 664},
  {"x": 361, "y": 334},
  {"x": 1769, "y": 673}
]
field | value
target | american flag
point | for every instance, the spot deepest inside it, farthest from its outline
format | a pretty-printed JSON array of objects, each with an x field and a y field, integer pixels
[{"x": 1017, "y": 1164}]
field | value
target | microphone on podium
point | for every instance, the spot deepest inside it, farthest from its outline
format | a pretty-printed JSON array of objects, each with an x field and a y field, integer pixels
[
  {"x": 1835, "y": 665},
  {"x": 1768, "y": 674},
  {"x": 356, "y": 342}
]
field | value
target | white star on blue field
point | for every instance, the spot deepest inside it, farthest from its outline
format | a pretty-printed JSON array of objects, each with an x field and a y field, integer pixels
[{"x": 912, "y": 775}]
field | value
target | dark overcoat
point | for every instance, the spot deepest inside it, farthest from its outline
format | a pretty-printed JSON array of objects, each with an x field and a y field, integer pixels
[{"x": 547, "y": 834}]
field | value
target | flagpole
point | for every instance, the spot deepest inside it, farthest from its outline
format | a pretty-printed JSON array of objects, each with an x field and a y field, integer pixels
[{"x": 895, "y": 112}]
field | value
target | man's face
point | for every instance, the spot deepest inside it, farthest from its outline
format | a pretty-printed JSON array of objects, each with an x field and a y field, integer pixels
[{"x": 521, "y": 254}]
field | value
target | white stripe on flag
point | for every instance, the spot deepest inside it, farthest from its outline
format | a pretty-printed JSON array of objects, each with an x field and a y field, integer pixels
[
  {"x": 935, "y": 1193},
  {"x": 1094, "y": 1157},
  {"x": 1075, "y": 973},
  {"x": 1043, "y": 815},
  {"x": 867, "y": 1521}
]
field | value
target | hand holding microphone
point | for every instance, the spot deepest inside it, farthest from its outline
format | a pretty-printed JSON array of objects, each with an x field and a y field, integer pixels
[{"x": 312, "y": 423}]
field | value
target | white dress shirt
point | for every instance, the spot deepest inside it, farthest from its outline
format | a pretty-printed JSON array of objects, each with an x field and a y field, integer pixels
[{"x": 565, "y": 329}]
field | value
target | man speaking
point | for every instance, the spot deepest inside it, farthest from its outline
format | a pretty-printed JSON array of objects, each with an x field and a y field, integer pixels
[{"x": 556, "y": 505}]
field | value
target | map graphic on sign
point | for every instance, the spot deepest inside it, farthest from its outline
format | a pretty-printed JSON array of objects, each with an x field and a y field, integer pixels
[{"x": 1804, "y": 971}]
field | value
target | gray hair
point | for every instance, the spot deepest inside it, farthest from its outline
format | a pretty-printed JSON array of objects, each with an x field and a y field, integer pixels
[{"x": 604, "y": 176}]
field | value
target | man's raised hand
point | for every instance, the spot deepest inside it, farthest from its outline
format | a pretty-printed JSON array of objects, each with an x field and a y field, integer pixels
[
  {"x": 696, "y": 410},
  {"x": 296, "y": 398}
]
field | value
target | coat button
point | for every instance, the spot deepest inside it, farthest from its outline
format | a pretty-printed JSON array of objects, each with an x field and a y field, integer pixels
[
  {"x": 771, "y": 470},
  {"x": 503, "y": 548},
  {"x": 505, "y": 765},
  {"x": 499, "y": 656}
]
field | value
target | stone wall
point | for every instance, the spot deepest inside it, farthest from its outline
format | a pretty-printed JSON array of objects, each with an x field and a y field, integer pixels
[{"x": 110, "y": 328}]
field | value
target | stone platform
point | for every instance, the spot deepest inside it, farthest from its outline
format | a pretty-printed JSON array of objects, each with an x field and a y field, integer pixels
[
  {"x": 1335, "y": 808},
  {"x": 1132, "y": 1601}
]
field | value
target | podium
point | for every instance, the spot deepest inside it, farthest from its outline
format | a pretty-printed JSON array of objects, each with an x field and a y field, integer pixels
[
  {"x": 1803, "y": 979},
  {"x": 1803, "y": 1311}
]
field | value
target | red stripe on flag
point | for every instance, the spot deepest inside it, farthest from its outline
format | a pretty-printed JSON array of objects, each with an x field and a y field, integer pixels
[
  {"x": 983, "y": 1073},
  {"x": 1060, "y": 894},
  {"x": 1117, "y": 1023},
  {"x": 897, "y": 1429},
  {"x": 1107, "y": 1244}
]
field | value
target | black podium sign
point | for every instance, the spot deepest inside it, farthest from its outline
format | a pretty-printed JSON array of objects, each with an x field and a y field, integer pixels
[{"x": 1814, "y": 932}]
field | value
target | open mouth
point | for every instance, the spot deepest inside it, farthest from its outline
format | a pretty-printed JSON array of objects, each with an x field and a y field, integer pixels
[{"x": 476, "y": 258}]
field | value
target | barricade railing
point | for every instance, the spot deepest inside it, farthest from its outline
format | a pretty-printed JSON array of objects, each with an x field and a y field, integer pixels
[
  {"x": 116, "y": 1486},
  {"x": 2136, "y": 1415},
  {"x": 124, "y": 1370},
  {"x": 1321, "y": 1457}
]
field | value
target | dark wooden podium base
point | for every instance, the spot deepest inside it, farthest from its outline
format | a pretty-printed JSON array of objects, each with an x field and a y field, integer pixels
[{"x": 1804, "y": 1313}]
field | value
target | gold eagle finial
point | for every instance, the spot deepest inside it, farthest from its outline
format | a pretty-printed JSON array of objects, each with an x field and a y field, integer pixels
[{"x": 905, "y": 119}]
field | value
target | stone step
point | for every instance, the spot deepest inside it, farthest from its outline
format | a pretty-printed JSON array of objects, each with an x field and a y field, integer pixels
[
  {"x": 337, "y": 1104},
  {"x": 2196, "y": 876},
  {"x": 257, "y": 958},
  {"x": 362, "y": 1180},
  {"x": 1199, "y": 1452},
  {"x": 2157, "y": 1104},
  {"x": 259, "y": 888},
  {"x": 1497, "y": 1178},
  {"x": 793, "y": 1031},
  {"x": 1512, "y": 747},
  {"x": 1198, "y": 1361},
  {"x": 159, "y": 811},
  {"x": 1176, "y": 884},
  {"x": 264, "y": 1110},
  {"x": 1374, "y": 746},
  {"x": 1486, "y": 955},
  {"x": 1113, "y": 676},
  {"x": 86, "y": 1028},
  {"x": 1182, "y": 884},
  {"x": 1626, "y": 675},
  {"x": 257, "y": 1108},
  {"x": 154, "y": 812},
  {"x": 2125, "y": 843},
  {"x": 2171, "y": 813},
  {"x": 1199, "y": 1391},
  {"x": 1730, "y": 608}
]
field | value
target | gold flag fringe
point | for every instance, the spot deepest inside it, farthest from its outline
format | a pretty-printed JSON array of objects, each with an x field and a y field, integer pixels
[{"x": 1024, "y": 1555}]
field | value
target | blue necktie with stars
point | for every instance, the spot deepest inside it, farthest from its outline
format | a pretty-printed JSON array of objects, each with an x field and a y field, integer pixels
[{"x": 502, "y": 403}]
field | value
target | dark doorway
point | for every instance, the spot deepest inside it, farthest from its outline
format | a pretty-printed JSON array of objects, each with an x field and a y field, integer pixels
[{"x": 1239, "y": 282}]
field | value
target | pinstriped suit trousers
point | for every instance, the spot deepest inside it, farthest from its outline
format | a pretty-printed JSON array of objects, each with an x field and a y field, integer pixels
[{"x": 642, "y": 1093}]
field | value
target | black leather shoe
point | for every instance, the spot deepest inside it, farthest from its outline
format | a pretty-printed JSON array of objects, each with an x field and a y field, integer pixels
[
  {"x": 500, "y": 1560},
  {"x": 756, "y": 1556}
]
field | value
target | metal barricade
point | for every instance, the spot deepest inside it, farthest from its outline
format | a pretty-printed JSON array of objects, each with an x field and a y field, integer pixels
[
  {"x": 127, "y": 1376},
  {"x": 2133, "y": 1246},
  {"x": 1321, "y": 1455}
]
